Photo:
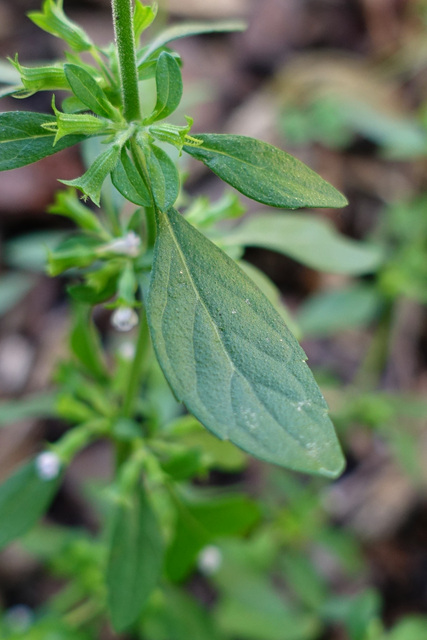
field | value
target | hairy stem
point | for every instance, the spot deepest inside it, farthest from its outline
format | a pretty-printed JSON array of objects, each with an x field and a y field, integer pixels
[{"x": 123, "y": 29}]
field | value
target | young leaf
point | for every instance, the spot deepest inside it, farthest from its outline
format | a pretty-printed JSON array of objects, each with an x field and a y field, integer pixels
[
  {"x": 169, "y": 87},
  {"x": 90, "y": 183},
  {"x": 24, "y": 497},
  {"x": 86, "y": 89},
  {"x": 308, "y": 239},
  {"x": 228, "y": 355},
  {"x": 129, "y": 183},
  {"x": 143, "y": 16},
  {"x": 263, "y": 172},
  {"x": 54, "y": 21},
  {"x": 135, "y": 558},
  {"x": 191, "y": 29},
  {"x": 23, "y": 140},
  {"x": 164, "y": 177}
]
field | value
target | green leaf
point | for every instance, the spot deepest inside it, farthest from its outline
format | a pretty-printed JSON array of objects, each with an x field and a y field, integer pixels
[
  {"x": 54, "y": 21},
  {"x": 86, "y": 89},
  {"x": 78, "y": 251},
  {"x": 310, "y": 240},
  {"x": 169, "y": 87},
  {"x": 179, "y": 616},
  {"x": 135, "y": 558},
  {"x": 264, "y": 173},
  {"x": 129, "y": 183},
  {"x": 331, "y": 311},
  {"x": 189, "y": 29},
  {"x": 90, "y": 183},
  {"x": 410, "y": 628},
  {"x": 29, "y": 407},
  {"x": 23, "y": 140},
  {"x": 163, "y": 176},
  {"x": 24, "y": 497},
  {"x": 201, "y": 523},
  {"x": 143, "y": 16},
  {"x": 68, "y": 204},
  {"x": 228, "y": 355}
]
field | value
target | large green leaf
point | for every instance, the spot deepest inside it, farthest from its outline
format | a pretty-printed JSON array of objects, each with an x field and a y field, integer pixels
[
  {"x": 24, "y": 497},
  {"x": 23, "y": 140},
  {"x": 264, "y": 173},
  {"x": 228, "y": 355},
  {"x": 308, "y": 239},
  {"x": 135, "y": 558}
]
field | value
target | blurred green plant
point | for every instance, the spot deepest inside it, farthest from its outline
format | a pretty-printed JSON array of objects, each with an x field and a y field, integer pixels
[{"x": 207, "y": 336}]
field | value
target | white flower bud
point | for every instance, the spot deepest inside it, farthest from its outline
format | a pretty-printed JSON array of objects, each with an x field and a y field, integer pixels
[
  {"x": 48, "y": 465},
  {"x": 128, "y": 245},
  {"x": 209, "y": 560},
  {"x": 124, "y": 319}
]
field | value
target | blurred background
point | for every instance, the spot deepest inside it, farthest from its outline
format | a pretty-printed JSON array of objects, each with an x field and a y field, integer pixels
[{"x": 341, "y": 84}]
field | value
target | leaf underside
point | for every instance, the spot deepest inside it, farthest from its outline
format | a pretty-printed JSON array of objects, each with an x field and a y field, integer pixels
[{"x": 228, "y": 355}]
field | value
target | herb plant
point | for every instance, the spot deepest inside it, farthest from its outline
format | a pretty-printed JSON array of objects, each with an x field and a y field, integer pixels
[{"x": 222, "y": 346}]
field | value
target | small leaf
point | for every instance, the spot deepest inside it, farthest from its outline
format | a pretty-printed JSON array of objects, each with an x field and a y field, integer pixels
[
  {"x": 86, "y": 89},
  {"x": 54, "y": 21},
  {"x": 90, "y": 183},
  {"x": 23, "y": 140},
  {"x": 67, "y": 204},
  {"x": 264, "y": 173},
  {"x": 135, "y": 558},
  {"x": 228, "y": 355},
  {"x": 24, "y": 497},
  {"x": 143, "y": 16},
  {"x": 190, "y": 29},
  {"x": 308, "y": 239},
  {"x": 164, "y": 177},
  {"x": 169, "y": 87},
  {"x": 129, "y": 183}
]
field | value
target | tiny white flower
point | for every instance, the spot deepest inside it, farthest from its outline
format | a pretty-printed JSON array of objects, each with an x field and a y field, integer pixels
[
  {"x": 209, "y": 560},
  {"x": 48, "y": 465},
  {"x": 124, "y": 319},
  {"x": 128, "y": 245}
]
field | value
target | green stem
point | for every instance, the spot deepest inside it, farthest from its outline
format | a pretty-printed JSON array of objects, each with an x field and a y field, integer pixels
[
  {"x": 123, "y": 29},
  {"x": 139, "y": 360}
]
